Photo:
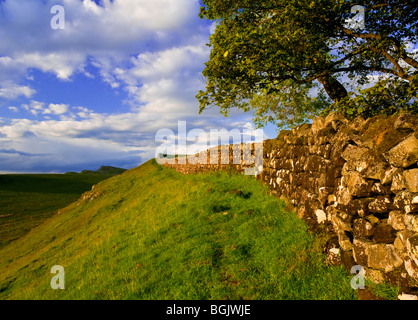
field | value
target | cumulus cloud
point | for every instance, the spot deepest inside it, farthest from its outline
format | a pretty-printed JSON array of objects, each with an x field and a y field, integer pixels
[
  {"x": 34, "y": 107},
  {"x": 165, "y": 82},
  {"x": 117, "y": 28},
  {"x": 56, "y": 109},
  {"x": 13, "y": 91}
]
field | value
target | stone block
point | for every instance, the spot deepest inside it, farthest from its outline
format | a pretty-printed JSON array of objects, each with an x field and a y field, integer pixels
[
  {"x": 362, "y": 229},
  {"x": 357, "y": 186},
  {"x": 383, "y": 257},
  {"x": 347, "y": 260},
  {"x": 315, "y": 163},
  {"x": 384, "y": 233},
  {"x": 355, "y": 157},
  {"x": 412, "y": 269},
  {"x": 380, "y": 189},
  {"x": 324, "y": 151},
  {"x": 407, "y": 296},
  {"x": 405, "y": 153},
  {"x": 359, "y": 206},
  {"x": 405, "y": 201},
  {"x": 411, "y": 222},
  {"x": 406, "y": 122},
  {"x": 412, "y": 248},
  {"x": 398, "y": 182},
  {"x": 336, "y": 119},
  {"x": 376, "y": 276},
  {"x": 374, "y": 169},
  {"x": 333, "y": 252},
  {"x": 360, "y": 252},
  {"x": 321, "y": 216},
  {"x": 381, "y": 204},
  {"x": 411, "y": 180},
  {"x": 400, "y": 243},
  {"x": 344, "y": 241},
  {"x": 388, "y": 175},
  {"x": 397, "y": 220},
  {"x": 341, "y": 220},
  {"x": 372, "y": 219}
]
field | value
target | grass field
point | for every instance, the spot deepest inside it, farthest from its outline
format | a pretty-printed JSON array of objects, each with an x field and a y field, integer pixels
[
  {"x": 27, "y": 200},
  {"x": 153, "y": 233}
]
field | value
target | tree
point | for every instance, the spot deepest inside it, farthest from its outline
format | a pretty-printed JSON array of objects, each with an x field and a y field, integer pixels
[{"x": 269, "y": 55}]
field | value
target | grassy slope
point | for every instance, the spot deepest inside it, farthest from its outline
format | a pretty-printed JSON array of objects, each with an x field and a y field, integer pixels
[
  {"x": 152, "y": 233},
  {"x": 27, "y": 200}
]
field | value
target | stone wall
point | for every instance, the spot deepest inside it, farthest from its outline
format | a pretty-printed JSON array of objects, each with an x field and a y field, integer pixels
[
  {"x": 237, "y": 158},
  {"x": 356, "y": 180}
]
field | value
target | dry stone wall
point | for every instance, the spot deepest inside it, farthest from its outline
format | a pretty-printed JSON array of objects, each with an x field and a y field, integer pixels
[{"x": 356, "y": 180}]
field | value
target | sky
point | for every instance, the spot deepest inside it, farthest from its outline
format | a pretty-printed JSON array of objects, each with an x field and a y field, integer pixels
[{"x": 97, "y": 91}]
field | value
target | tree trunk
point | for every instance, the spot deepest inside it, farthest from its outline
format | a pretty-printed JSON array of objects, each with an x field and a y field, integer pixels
[{"x": 333, "y": 87}]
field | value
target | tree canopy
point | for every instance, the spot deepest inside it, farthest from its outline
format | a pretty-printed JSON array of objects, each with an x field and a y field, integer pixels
[{"x": 285, "y": 59}]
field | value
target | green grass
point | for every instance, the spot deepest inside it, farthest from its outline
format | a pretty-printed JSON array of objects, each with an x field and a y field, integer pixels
[
  {"x": 383, "y": 290},
  {"x": 27, "y": 200},
  {"x": 153, "y": 233}
]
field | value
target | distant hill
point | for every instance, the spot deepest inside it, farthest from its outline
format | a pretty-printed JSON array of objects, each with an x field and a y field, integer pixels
[{"x": 102, "y": 170}]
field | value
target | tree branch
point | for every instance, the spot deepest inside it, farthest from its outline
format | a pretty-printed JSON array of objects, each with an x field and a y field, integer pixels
[{"x": 401, "y": 72}]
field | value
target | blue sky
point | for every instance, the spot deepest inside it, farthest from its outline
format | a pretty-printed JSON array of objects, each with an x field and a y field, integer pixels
[{"x": 97, "y": 92}]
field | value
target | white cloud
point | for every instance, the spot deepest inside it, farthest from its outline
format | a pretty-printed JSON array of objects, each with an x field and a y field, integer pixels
[
  {"x": 62, "y": 64},
  {"x": 14, "y": 109},
  {"x": 117, "y": 28},
  {"x": 56, "y": 109},
  {"x": 12, "y": 91},
  {"x": 165, "y": 82},
  {"x": 34, "y": 107},
  {"x": 166, "y": 63}
]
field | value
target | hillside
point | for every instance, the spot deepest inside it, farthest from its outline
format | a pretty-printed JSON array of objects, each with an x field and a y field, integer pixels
[
  {"x": 153, "y": 233},
  {"x": 27, "y": 200}
]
